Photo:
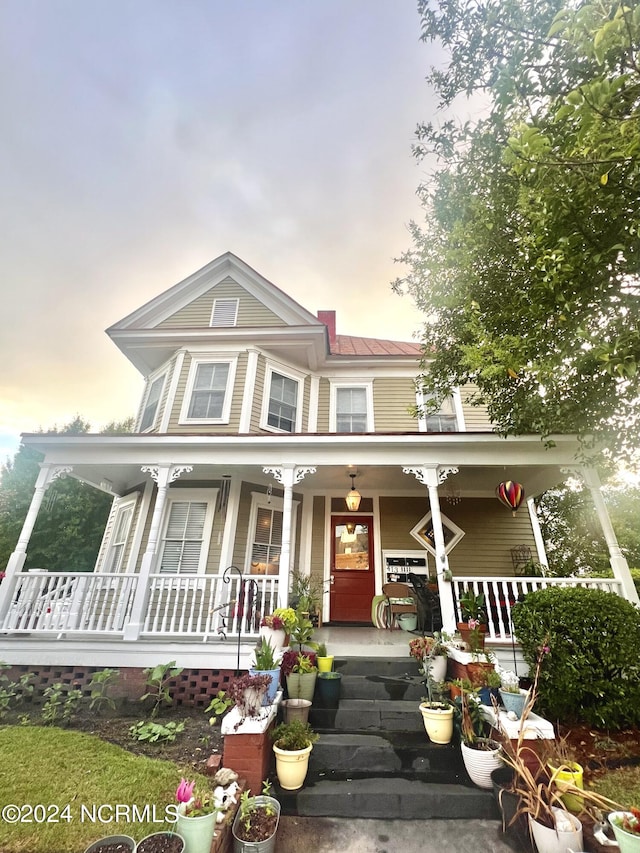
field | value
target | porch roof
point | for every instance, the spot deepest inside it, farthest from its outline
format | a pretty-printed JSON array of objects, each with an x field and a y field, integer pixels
[{"x": 482, "y": 458}]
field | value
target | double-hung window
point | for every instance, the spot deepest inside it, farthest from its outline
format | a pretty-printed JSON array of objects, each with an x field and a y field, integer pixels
[
  {"x": 123, "y": 516},
  {"x": 444, "y": 419},
  {"x": 265, "y": 534},
  {"x": 281, "y": 409},
  {"x": 150, "y": 410},
  {"x": 351, "y": 407},
  {"x": 185, "y": 537},
  {"x": 208, "y": 393}
]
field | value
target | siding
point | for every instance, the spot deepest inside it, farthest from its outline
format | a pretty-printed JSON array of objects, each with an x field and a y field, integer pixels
[
  {"x": 323, "y": 405},
  {"x": 261, "y": 370},
  {"x": 251, "y": 312},
  {"x": 316, "y": 568},
  {"x": 475, "y": 417},
  {"x": 391, "y": 398}
]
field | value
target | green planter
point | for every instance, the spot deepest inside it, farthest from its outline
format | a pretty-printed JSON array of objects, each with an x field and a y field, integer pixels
[
  {"x": 329, "y": 684},
  {"x": 301, "y": 685}
]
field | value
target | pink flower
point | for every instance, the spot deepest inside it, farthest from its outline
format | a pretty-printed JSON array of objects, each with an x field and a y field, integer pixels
[
  {"x": 184, "y": 791},
  {"x": 473, "y": 624}
]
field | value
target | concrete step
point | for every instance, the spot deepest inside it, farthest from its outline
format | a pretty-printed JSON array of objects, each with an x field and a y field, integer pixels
[
  {"x": 380, "y": 797},
  {"x": 382, "y": 687},
  {"x": 395, "y": 666},
  {"x": 406, "y": 755},
  {"x": 363, "y": 715}
]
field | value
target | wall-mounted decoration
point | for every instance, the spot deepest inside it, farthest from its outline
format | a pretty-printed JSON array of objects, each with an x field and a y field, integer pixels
[{"x": 423, "y": 532}]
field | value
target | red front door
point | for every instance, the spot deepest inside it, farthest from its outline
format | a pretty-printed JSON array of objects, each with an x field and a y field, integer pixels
[{"x": 352, "y": 575}]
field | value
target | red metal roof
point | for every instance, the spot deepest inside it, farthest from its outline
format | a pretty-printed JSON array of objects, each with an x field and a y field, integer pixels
[{"x": 350, "y": 345}]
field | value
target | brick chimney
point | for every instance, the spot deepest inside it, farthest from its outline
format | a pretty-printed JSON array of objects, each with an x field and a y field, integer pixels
[{"x": 329, "y": 319}]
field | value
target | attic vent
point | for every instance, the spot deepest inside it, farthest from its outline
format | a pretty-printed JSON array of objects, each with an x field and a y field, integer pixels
[{"x": 225, "y": 312}]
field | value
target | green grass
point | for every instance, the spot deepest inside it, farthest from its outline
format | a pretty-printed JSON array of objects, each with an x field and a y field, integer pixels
[
  {"x": 621, "y": 785},
  {"x": 55, "y": 767}
]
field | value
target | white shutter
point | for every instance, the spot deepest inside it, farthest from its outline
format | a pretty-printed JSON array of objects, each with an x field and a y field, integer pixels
[{"x": 225, "y": 312}]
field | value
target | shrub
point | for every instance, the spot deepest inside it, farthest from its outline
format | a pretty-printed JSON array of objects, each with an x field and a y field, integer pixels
[{"x": 592, "y": 670}]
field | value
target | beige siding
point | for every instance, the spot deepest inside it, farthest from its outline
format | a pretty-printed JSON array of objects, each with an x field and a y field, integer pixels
[
  {"x": 251, "y": 312},
  {"x": 324, "y": 395},
  {"x": 392, "y": 397},
  {"x": 476, "y": 418},
  {"x": 490, "y": 532},
  {"x": 317, "y": 541},
  {"x": 256, "y": 406}
]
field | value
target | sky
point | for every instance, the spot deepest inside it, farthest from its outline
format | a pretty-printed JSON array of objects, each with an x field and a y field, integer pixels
[{"x": 143, "y": 139}]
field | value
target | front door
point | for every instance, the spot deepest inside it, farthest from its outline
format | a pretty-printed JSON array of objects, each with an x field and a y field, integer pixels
[{"x": 352, "y": 575}]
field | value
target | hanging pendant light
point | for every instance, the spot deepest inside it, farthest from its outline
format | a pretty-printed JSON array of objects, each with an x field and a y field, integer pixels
[
  {"x": 510, "y": 494},
  {"x": 354, "y": 497}
]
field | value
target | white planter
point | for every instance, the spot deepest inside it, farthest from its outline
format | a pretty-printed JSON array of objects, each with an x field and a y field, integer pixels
[
  {"x": 438, "y": 722},
  {"x": 629, "y": 841},
  {"x": 480, "y": 763},
  {"x": 438, "y": 668},
  {"x": 276, "y": 638},
  {"x": 552, "y": 841},
  {"x": 292, "y": 766}
]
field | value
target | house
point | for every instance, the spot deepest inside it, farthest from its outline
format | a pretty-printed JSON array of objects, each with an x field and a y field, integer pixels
[{"x": 257, "y": 419}]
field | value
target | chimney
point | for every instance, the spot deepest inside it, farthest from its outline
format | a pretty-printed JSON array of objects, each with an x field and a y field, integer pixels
[{"x": 329, "y": 319}]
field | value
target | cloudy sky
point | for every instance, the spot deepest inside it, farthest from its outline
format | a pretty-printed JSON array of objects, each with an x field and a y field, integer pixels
[{"x": 142, "y": 139}]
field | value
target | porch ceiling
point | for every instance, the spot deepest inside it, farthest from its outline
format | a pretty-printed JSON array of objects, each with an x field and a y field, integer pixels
[{"x": 483, "y": 459}]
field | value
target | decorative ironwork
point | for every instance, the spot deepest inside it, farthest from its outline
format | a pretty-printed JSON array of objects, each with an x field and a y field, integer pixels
[{"x": 244, "y": 607}]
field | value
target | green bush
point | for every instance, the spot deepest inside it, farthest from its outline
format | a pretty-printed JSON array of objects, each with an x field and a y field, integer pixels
[{"x": 592, "y": 670}]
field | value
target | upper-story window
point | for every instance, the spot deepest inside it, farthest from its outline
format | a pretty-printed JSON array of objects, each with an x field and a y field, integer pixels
[
  {"x": 281, "y": 408},
  {"x": 207, "y": 397},
  {"x": 445, "y": 419},
  {"x": 224, "y": 312},
  {"x": 151, "y": 404},
  {"x": 351, "y": 407}
]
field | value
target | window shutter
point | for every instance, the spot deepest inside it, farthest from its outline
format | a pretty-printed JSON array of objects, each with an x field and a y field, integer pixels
[{"x": 225, "y": 312}]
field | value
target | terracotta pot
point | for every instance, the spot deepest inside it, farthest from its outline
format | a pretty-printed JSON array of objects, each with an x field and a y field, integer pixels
[
  {"x": 465, "y": 631},
  {"x": 477, "y": 672}
]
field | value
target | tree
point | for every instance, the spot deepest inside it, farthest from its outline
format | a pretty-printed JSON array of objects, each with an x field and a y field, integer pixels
[
  {"x": 527, "y": 264},
  {"x": 71, "y": 521}
]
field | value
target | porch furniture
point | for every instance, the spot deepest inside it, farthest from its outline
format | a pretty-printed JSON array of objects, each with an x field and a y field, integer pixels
[
  {"x": 400, "y": 599},
  {"x": 428, "y": 602}
]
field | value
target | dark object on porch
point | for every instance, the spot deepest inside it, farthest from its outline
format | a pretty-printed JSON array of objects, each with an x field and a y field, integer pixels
[
  {"x": 396, "y": 594},
  {"x": 429, "y": 615}
]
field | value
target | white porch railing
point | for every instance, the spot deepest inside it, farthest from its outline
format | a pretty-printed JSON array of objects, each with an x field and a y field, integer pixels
[
  {"x": 501, "y": 593},
  {"x": 206, "y": 605},
  {"x": 66, "y": 602}
]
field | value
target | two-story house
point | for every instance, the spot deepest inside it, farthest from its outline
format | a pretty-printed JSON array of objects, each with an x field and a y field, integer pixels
[{"x": 257, "y": 420}]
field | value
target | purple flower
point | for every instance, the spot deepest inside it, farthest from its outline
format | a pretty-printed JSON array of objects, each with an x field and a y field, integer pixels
[{"x": 184, "y": 791}]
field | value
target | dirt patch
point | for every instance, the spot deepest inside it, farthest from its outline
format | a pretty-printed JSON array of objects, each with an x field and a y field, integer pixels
[{"x": 598, "y": 750}]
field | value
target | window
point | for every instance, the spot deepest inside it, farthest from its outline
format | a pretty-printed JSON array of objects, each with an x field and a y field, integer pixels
[
  {"x": 351, "y": 407},
  {"x": 265, "y": 534},
  {"x": 281, "y": 404},
  {"x": 225, "y": 312},
  {"x": 151, "y": 404},
  {"x": 185, "y": 539},
  {"x": 208, "y": 393},
  {"x": 121, "y": 527},
  {"x": 443, "y": 419}
]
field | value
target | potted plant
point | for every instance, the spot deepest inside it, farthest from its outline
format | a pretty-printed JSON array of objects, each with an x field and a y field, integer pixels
[
  {"x": 292, "y": 745},
  {"x": 161, "y": 842},
  {"x": 479, "y": 667},
  {"x": 323, "y": 660},
  {"x": 196, "y": 820},
  {"x": 300, "y": 671},
  {"x": 437, "y": 716},
  {"x": 247, "y": 693},
  {"x": 277, "y": 626},
  {"x": 123, "y": 843},
  {"x": 256, "y": 822},
  {"x": 481, "y": 754},
  {"x": 473, "y": 613},
  {"x": 488, "y": 690},
  {"x": 431, "y": 654},
  {"x": 626, "y": 828},
  {"x": 513, "y": 697},
  {"x": 267, "y": 664}
]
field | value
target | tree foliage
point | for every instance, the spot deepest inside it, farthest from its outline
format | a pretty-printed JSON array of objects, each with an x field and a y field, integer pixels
[
  {"x": 71, "y": 521},
  {"x": 527, "y": 263}
]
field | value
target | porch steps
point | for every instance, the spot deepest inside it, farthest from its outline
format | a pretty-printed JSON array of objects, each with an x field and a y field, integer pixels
[{"x": 374, "y": 759}]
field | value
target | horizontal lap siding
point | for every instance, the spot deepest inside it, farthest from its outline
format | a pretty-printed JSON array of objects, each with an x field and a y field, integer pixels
[
  {"x": 476, "y": 418},
  {"x": 392, "y": 397},
  {"x": 256, "y": 406},
  {"x": 323, "y": 406},
  {"x": 397, "y": 517},
  {"x": 316, "y": 568},
  {"x": 251, "y": 312}
]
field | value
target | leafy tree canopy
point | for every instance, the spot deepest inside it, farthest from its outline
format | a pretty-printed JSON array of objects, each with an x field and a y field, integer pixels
[
  {"x": 527, "y": 263},
  {"x": 71, "y": 521}
]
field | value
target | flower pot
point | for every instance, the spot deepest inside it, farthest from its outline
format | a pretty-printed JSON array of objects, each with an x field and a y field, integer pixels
[
  {"x": 325, "y": 664},
  {"x": 329, "y": 684},
  {"x": 267, "y": 845},
  {"x": 254, "y": 701},
  {"x": 514, "y": 701},
  {"x": 480, "y": 762},
  {"x": 438, "y": 668},
  {"x": 166, "y": 842},
  {"x": 557, "y": 841},
  {"x": 292, "y": 766},
  {"x": 465, "y": 632},
  {"x": 629, "y": 842},
  {"x": 301, "y": 685},
  {"x": 438, "y": 721},
  {"x": 277, "y": 638},
  {"x": 270, "y": 696},
  {"x": 127, "y": 844},
  {"x": 196, "y": 831},
  {"x": 408, "y": 621},
  {"x": 572, "y": 774},
  {"x": 477, "y": 672},
  {"x": 514, "y": 827},
  {"x": 296, "y": 709},
  {"x": 486, "y": 694}
]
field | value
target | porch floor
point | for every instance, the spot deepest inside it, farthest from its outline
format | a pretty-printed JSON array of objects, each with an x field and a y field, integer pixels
[{"x": 364, "y": 641}]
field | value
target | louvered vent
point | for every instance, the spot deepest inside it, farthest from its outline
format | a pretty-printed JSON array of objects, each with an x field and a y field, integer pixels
[{"x": 225, "y": 312}]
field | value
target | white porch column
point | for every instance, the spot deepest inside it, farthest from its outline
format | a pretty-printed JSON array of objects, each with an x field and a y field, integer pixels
[
  {"x": 163, "y": 476},
  {"x": 537, "y": 533},
  {"x": 48, "y": 473},
  {"x": 616, "y": 557},
  {"x": 431, "y": 476},
  {"x": 288, "y": 476}
]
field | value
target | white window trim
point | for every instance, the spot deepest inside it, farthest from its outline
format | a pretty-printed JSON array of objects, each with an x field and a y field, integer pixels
[
  {"x": 122, "y": 505},
  {"x": 289, "y": 373},
  {"x": 196, "y": 361},
  {"x": 150, "y": 381},
  {"x": 235, "y": 316},
  {"x": 417, "y": 533},
  {"x": 456, "y": 405},
  {"x": 262, "y": 500},
  {"x": 457, "y": 408},
  {"x": 334, "y": 384},
  {"x": 210, "y": 497}
]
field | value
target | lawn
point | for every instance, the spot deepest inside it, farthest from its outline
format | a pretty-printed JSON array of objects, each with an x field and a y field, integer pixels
[{"x": 53, "y": 768}]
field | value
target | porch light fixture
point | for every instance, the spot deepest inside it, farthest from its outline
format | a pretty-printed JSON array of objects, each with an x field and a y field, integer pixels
[{"x": 354, "y": 497}]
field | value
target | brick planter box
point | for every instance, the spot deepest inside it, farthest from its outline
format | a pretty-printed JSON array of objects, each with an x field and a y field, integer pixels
[{"x": 248, "y": 748}]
